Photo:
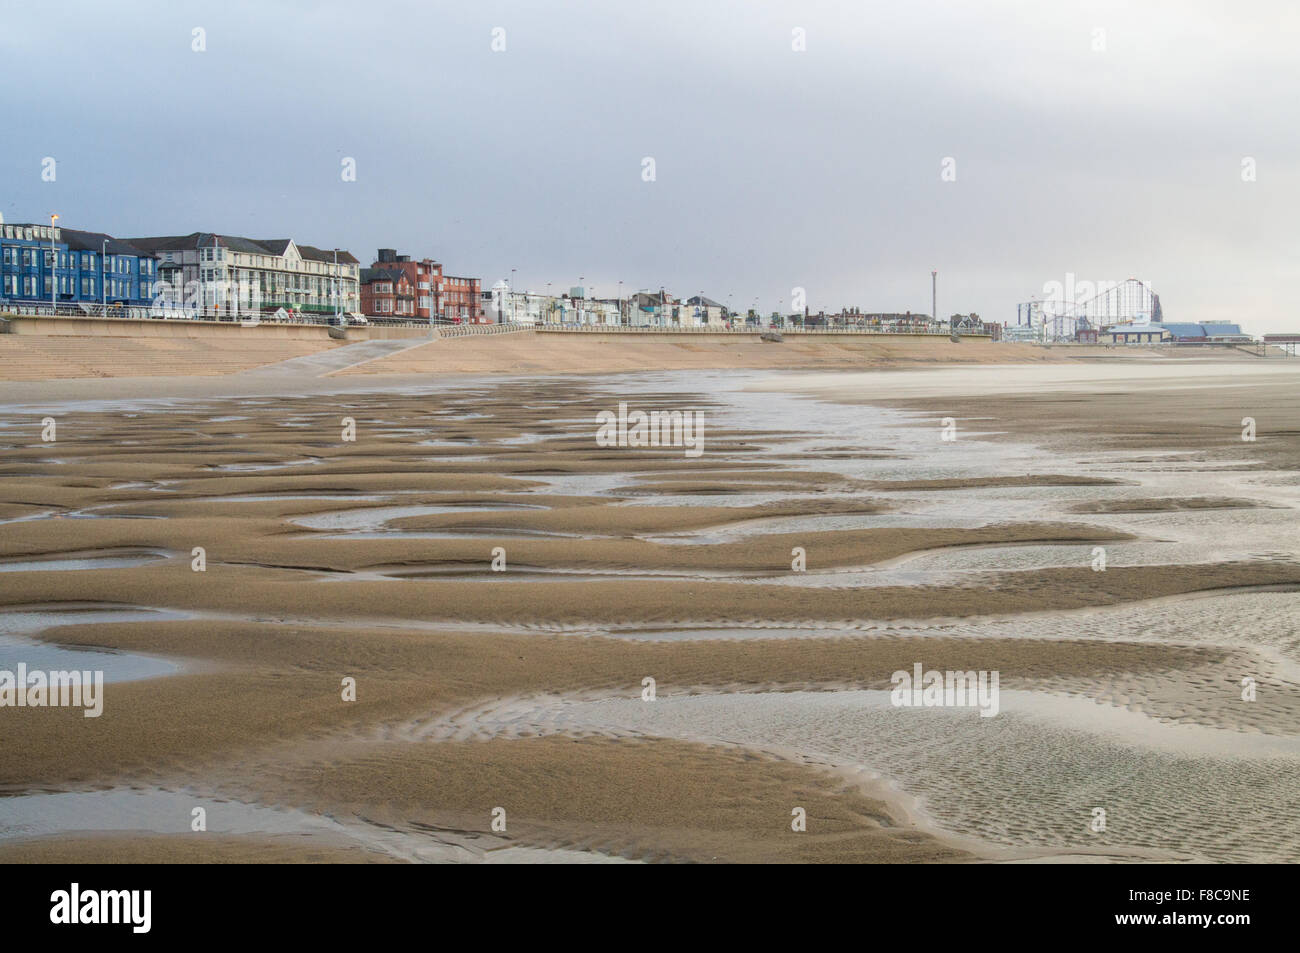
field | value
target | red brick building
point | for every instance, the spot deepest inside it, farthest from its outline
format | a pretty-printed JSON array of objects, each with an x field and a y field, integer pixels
[
  {"x": 421, "y": 292},
  {"x": 388, "y": 293},
  {"x": 463, "y": 298}
]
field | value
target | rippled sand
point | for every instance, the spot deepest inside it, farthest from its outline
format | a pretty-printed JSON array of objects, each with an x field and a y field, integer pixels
[{"x": 520, "y": 685}]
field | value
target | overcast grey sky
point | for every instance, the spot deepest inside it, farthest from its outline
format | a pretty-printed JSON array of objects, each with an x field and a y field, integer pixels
[{"x": 775, "y": 168}]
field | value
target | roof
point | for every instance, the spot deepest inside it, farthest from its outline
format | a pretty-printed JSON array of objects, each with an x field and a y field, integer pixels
[
  {"x": 1137, "y": 329},
  {"x": 701, "y": 300},
  {"x": 1183, "y": 330},
  {"x": 252, "y": 246},
  {"x": 78, "y": 240},
  {"x": 1204, "y": 329},
  {"x": 383, "y": 274},
  {"x": 320, "y": 254}
]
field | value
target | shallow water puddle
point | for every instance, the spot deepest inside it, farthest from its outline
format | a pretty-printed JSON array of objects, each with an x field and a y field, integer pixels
[
  {"x": 374, "y": 519},
  {"x": 72, "y": 564},
  {"x": 37, "y": 655},
  {"x": 158, "y": 811}
]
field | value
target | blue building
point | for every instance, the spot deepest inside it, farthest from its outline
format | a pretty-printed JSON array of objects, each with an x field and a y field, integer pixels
[
  {"x": 1208, "y": 332},
  {"x": 41, "y": 263}
]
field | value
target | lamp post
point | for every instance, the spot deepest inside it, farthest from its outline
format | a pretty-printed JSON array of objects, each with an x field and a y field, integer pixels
[
  {"x": 103, "y": 278},
  {"x": 54, "y": 261}
]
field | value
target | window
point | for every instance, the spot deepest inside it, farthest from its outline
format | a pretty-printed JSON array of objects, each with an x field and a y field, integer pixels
[
  {"x": 10, "y": 255},
  {"x": 11, "y": 284},
  {"x": 29, "y": 286}
]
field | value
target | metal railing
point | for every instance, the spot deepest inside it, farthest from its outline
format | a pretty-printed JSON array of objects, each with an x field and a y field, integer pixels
[
  {"x": 459, "y": 330},
  {"x": 444, "y": 329},
  {"x": 29, "y": 309},
  {"x": 147, "y": 313},
  {"x": 749, "y": 329},
  {"x": 33, "y": 309}
]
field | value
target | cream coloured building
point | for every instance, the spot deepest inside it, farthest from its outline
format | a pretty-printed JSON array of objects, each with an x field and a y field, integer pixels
[{"x": 226, "y": 274}]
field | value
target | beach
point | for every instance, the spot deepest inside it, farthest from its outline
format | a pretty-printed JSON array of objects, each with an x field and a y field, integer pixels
[{"x": 633, "y": 653}]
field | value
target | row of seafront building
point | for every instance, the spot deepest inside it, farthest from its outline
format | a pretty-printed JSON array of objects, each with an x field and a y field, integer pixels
[
  {"x": 213, "y": 275},
  {"x": 204, "y": 273},
  {"x": 660, "y": 309}
]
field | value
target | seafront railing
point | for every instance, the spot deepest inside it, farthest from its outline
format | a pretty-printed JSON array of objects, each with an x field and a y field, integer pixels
[
  {"x": 89, "y": 311},
  {"x": 460, "y": 330},
  {"x": 27, "y": 309},
  {"x": 137, "y": 313},
  {"x": 657, "y": 329}
]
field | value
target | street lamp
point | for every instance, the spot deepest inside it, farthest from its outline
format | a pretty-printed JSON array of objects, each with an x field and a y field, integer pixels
[
  {"x": 54, "y": 261},
  {"x": 103, "y": 275}
]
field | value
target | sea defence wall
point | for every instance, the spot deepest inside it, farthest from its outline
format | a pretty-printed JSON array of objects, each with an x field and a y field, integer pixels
[
  {"x": 793, "y": 334},
  {"x": 146, "y": 328}
]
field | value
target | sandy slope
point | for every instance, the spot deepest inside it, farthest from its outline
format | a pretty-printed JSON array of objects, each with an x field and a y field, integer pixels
[{"x": 597, "y": 353}]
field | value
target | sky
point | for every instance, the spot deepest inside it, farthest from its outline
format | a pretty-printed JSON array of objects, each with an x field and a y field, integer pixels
[{"x": 843, "y": 148}]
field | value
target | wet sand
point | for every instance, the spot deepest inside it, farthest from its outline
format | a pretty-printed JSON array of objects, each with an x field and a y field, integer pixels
[{"x": 520, "y": 686}]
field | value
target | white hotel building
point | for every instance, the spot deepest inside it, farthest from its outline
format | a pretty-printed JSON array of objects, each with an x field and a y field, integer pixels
[{"x": 225, "y": 273}]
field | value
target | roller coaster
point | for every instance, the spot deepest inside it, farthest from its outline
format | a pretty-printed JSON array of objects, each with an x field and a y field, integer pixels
[{"x": 1088, "y": 305}]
